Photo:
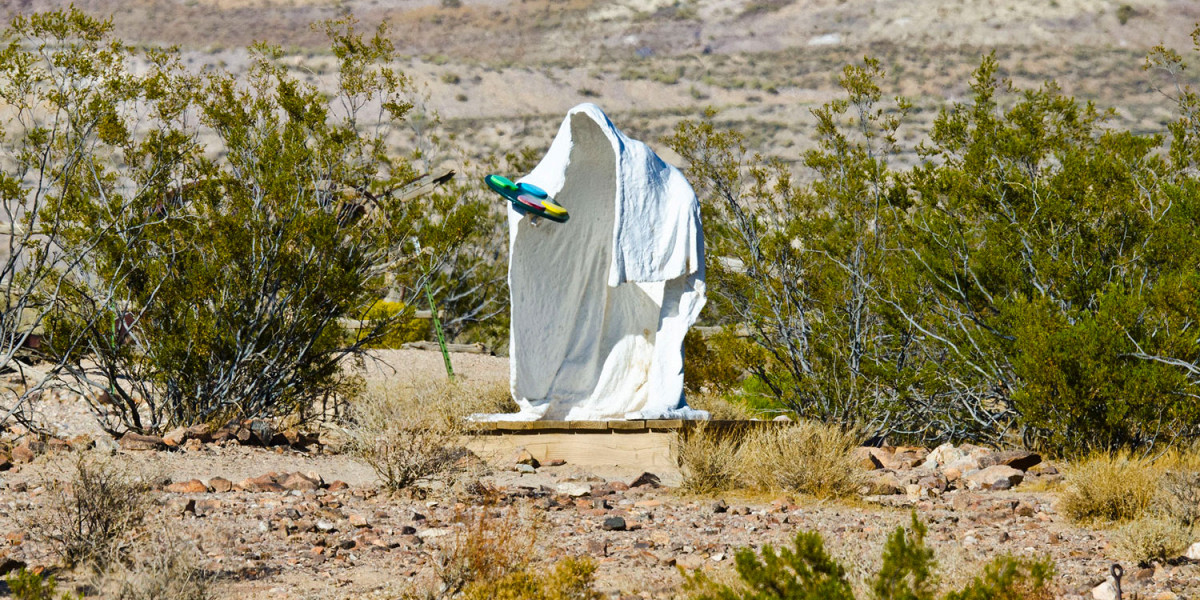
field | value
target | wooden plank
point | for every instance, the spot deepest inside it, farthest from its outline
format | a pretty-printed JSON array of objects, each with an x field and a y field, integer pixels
[
  {"x": 588, "y": 425},
  {"x": 637, "y": 425},
  {"x": 659, "y": 424}
]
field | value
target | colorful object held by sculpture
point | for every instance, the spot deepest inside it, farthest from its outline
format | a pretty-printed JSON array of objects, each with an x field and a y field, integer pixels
[{"x": 527, "y": 199}]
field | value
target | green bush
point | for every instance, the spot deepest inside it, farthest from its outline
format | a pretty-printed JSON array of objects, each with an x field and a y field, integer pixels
[
  {"x": 224, "y": 226},
  {"x": 806, "y": 571},
  {"x": 27, "y": 585},
  {"x": 1033, "y": 279}
]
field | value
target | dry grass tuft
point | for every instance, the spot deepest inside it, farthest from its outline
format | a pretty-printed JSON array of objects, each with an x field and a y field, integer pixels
[
  {"x": 1109, "y": 488},
  {"x": 708, "y": 461},
  {"x": 1152, "y": 537},
  {"x": 93, "y": 508},
  {"x": 411, "y": 436},
  {"x": 719, "y": 407},
  {"x": 161, "y": 567},
  {"x": 806, "y": 458}
]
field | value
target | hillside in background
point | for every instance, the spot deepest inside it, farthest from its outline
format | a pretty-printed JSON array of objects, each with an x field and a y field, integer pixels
[{"x": 500, "y": 73}]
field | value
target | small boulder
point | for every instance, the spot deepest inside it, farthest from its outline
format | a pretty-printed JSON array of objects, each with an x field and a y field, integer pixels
[
  {"x": 613, "y": 524},
  {"x": 206, "y": 506},
  {"x": 523, "y": 457},
  {"x": 262, "y": 483},
  {"x": 220, "y": 484},
  {"x": 175, "y": 437},
  {"x": 884, "y": 483},
  {"x": 28, "y": 450},
  {"x": 942, "y": 456},
  {"x": 1193, "y": 552},
  {"x": 1017, "y": 459},
  {"x": 646, "y": 479},
  {"x": 132, "y": 442},
  {"x": 574, "y": 489},
  {"x": 300, "y": 481},
  {"x": 192, "y": 486},
  {"x": 358, "y": 521},
  {"x": 995, "y": 477},
  {"x": 866, "y": 460},
  {"x": 1104, "y": 591}
]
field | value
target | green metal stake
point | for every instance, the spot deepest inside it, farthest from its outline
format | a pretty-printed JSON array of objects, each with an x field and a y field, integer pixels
[{"x": 437, "y": 329}]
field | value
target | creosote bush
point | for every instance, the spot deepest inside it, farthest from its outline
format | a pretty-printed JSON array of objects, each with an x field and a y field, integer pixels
[
  {"x": 92, "y": 510},
  {"x": 806, "y": 571},
  {"x": 158, "y": 567}
]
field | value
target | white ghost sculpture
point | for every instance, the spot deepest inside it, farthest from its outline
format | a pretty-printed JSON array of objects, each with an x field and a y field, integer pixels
[{"x": 600, "y": 304}]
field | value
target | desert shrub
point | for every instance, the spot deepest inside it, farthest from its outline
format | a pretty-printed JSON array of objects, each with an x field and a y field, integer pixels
[
  {"x": 1025, "y": 279},
  {"x": 1010, "y": 578},
  {"x": 715, "y": 365},
  {"x": 407, "y": 328},
  {"x": 411, "y": 436},
  {"x": 707, "y": 460},
  {"x": 1179, "y": 487},
  {"x": 1151, "y": 537},
  {"x": 159, "y": 567},
  {"x": 569, "y": 579},
  {"x": 1110, "y": 487},
  {"x": 27, "y": 585},
  {"x": 91, "y": 510},
  {"x": 807, "y": 458},
  {"x": 225, "y": 225},
  {"x": 807, "y": 571}
]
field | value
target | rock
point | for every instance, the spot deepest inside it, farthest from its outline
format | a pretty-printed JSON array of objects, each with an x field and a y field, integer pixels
[
  {"x": 262, "y": 483},
  {"x": 597, "y": 548},
  {"x": 933, "y": 483},
  {"x": 646, "y": 479},
  {"x": 1104, "y": 591},
  {"x": 302, "y": 482},
  {"x": 206, "y": 506},
  {"x": 192, "y": 486},
  {"x": 954, "y": 470},
  {"x": 220, "y": 484},
  {"x": 359, "y": 522},
  {"x": 996, "y": 477},
  {"x": 325, "y": 526},
  {"x": 337, "y": 486},
  {"x": 1017, "y": 459},
  {"x": 1025, "y": 509},
  {"x": 179, "y": 506},
  {"x": 132, "y": 442},
  {"x": 1193, "y": 552},
  {"x": 9, "y": 564},
  {"x": 574, "y": 489},
  {"x": 192, "y": 445},
  {"x": 555, "y": 462},
  {"x": 942, "y": 456},
  {"x": 175, "y": 437},
  {"x": 866, "y": 460},
  {"x": 719, "y": 507},
  {"x": 5, "y": 460},
  {"x": 524, "y": 468},
  {"x": 884, "y": 483},
  {"x": 80, "y": 443},
  {"x": 613, "y": 524},
  {"x": 28, "y": 450},
  {"x": 782, "y": 419},
  {"x": 690, "y": 562},
  {"x": 523, "y": 457}
]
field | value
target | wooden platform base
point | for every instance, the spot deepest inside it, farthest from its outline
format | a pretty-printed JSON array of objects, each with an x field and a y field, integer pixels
[{"x": 627, "y": 445}]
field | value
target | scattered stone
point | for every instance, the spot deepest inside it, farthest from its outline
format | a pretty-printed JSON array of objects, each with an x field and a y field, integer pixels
[
  {"x": 5, "y": 460},
  {"x": 1017, "y": 459},
  {"x": 574, "y": 489},
  {"x": 106, "y": 444},
  {"x": 646, "y": 479},
  {"x": 720, "y": 506},
  {"x": 555, "y": 462},
  {"x": 28, "y": 450},
  {"x": 179, "y": 506},
  {"x": 9, "y": 564},
  {"x": 942, "y": 455},
  {"x": 191, "y": 486},
  {"x": 884, "y": 483},
  {"x": 262, "y": 483},
  {"x": 523, "y": 457},
  {"x": 866, "y": 460},
  {"x": 302, "y": 482},
  {"x": 1025, "y": 509},
  {"x": 613, "y": 524},
  {"x": 358, "y": 521},
  {"x": 996, "y": 477},
  {"x": 1104, "y": 591},
  {"x": 132, "y": 442},
  {"x": 597, "y": 548},
  {"x": 175, "y": 437},
  {"x": 524, "y": 468},
  {"x": 206, "y": 506},
  {"x": 220, "y": 484},
  {"x": 337, "y": 486},
  {"x": 325, "y": 526},
  {"x": 1193, "y": 552}
]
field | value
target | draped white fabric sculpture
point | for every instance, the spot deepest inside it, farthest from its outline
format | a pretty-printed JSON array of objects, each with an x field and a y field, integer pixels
[{"x": 600, "y": 304}]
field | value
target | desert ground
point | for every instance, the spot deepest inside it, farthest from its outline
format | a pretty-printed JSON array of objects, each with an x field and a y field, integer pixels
[{"x": 310, "y": 522}]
